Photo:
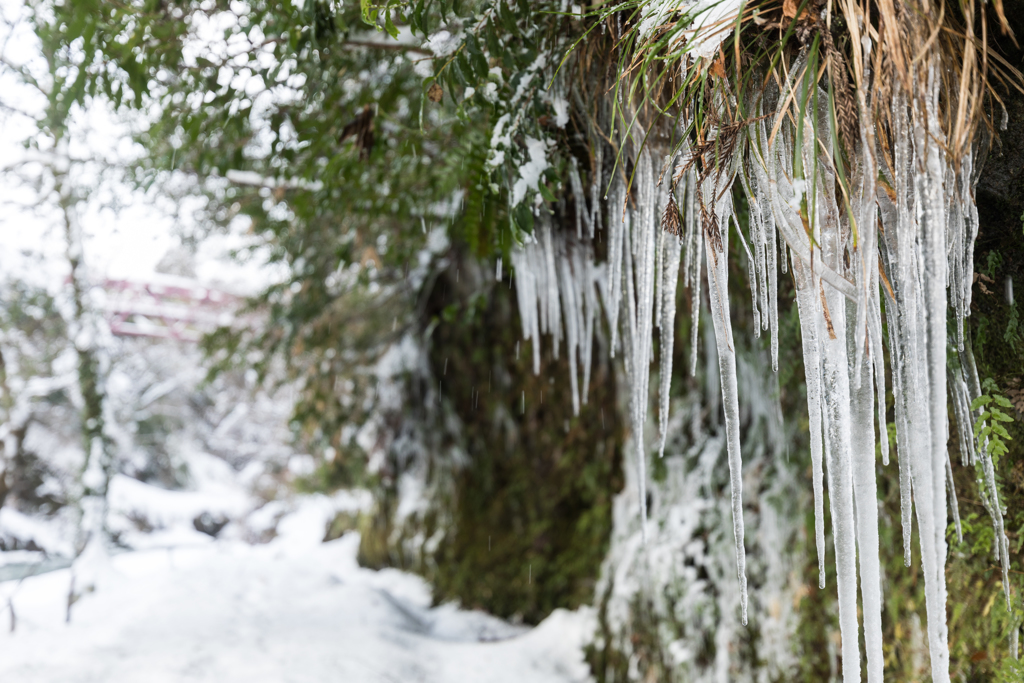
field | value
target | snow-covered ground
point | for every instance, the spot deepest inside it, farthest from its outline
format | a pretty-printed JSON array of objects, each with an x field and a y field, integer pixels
[{"x": 295, "y": 609}]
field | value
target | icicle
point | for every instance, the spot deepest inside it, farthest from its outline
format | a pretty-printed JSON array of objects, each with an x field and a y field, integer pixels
[
  {"x": 953, "y": 504},
  {"x": 864, "y": 208},
  {"x": 773, "y": 291},
  {"x": 659, "y": 278},
  {"x": 875, "y": 331},
  {"x": 595, "y": 192},
  {"x": 630, "y": 363},
  {"x": 669, "y": 281},
  {"x": 932, "y": 521},
  {"x": 753, "y": 281},
  {"x": 866, "y": 498},
  {"x": 962, "y": 412},
  {"x": 616, "y": 229},
  {"x": 967, "y": 184},
  {"x": 641, "y": 339},
  {"x": 766, "y": 179},
  {"x": 809, "y": 310},
  {"x": 688, "y": 226},
  {"x": 578, "y": 198},
  {"x": 696, "y": 247},
  {"x": 753, "y": 263},
  {"x": 587, "y": 276},
  {"x": 571, "y": 320},
  {"x": 577, "y": 272},
  {"x": 551, "y": 289},
  {"x": 990, "y": 494},
  {"x": 762, "y": 222},
  {"x": 629, "y": 324},
  {"x": 900, "y": 260},
  {"x": 716, "y": 242},
  {"x": 838, "y": 436},
  {"x": 525, "y": 263},
  {"x": 553, "y": 298}
]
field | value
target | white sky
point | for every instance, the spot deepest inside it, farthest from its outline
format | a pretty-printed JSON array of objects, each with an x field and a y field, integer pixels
[{"x": 126, "y": 242}]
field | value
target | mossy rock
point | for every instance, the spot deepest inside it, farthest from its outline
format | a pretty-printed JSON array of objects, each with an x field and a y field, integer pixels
[
  {"x": 528, "y": 512},
  {"x": 532, "y": 506},
  {"x": 342, "y": 523}
]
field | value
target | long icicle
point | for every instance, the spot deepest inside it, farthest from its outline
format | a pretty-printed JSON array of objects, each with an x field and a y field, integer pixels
[
  {"x": 900, "y": 259},
  {"x": 695, "y": 260},
  {"x": 809, "y": 309},
  {"x": 716, "y": 240},
  {"x": 862, "y": 404},
  {"x": 670, "y": 279},
  {"x": 837, "y": 431},
  {"x": 643, "y": 271},
  {"x": 929, "y": 136}
]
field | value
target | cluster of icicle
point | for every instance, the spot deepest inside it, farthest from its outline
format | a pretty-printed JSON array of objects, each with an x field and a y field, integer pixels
[{"x": 909, "y": 240}]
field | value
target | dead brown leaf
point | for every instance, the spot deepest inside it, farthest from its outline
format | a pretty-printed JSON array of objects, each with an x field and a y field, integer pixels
[
  {"x": 361, "y": 128},
  {"x": 370, "y": 255},
  {"x": 435, "y": 92},
  {"x": 670, "y": 217},
  {"x": 789, "y": 8},
  {"x": 717, "y": 68},
  {"x": 828, "y": 316}
]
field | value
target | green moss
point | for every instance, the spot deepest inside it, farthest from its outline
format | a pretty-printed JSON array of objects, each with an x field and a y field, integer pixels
[
  {"x": 527, "y": 516},
  {"x": 532, "y": 507},
  {"x": 342, "y": 522},
  {"x": 607, "y": 659}
]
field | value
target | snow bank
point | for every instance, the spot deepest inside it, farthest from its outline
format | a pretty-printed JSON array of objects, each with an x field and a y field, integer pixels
[
  {"x": 284, "y": 611},
  {"x": 21, "y": 531},
  {"x": 163, "y": 508}
]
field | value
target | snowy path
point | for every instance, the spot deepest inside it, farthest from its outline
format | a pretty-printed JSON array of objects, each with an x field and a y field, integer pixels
[{"x": 292, "y": 610}]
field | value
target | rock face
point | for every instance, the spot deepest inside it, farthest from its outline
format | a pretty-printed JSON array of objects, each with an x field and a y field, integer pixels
[
  {"x": 1000, "y": 191},
  {"x": 507, "y": 503}
]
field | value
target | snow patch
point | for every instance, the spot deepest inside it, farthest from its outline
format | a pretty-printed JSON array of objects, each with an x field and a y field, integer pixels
[
  {"x": 305, "y": 611},
  {"x": 531, "y": 171}
]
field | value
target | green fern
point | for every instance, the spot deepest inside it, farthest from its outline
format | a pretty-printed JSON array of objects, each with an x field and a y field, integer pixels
[
  {"x": 476, "y": 209},
  {"x": 989, "y": 425}
]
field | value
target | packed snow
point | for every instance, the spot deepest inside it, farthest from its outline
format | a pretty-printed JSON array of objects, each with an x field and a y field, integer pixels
[{"x": 293, "y": 609}]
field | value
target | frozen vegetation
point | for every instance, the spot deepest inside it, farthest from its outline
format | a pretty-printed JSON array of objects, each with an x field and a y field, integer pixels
[
  {"x": 169, "y": 525},
  {"x": 918, "y": 259}
]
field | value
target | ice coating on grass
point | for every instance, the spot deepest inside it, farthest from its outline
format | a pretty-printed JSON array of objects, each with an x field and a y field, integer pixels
[
  {"x": 968, "y": 386},
  {"x": 700, "y": 26}
]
